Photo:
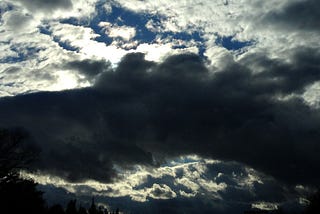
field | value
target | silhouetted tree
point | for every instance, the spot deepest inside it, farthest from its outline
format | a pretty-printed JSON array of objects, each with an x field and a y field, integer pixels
[
  {"x": 82, "y": 210},
  {"x": 56, "y": 209},
  {"x": 21, "y": 196},
  {"x": 71, "y": 207},
  {"x": 93, "y": 208},
  {"x": 314, "y": 206},
  {"x": 17, "y": 195},
  {"x": 14, "y": 154},
  {"x": 279, "y": 211},
  {"x": 101, "y": 210}
]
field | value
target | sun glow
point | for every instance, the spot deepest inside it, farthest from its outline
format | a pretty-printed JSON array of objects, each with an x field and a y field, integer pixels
[{"x": 65, "y": 80}]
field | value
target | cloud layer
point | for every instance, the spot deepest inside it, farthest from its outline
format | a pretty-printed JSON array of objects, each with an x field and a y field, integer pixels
[
  {"x": 222, "y": 186},
  {"x": 143, "y": 111}
]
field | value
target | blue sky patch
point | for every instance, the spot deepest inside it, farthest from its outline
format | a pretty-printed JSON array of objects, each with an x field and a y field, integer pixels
[
  {"x": 65, "y": 45},
  {"x": 232, "y": 44},
  {"x": 185, "y": 36},
  {"x": 4, "y": 7},
  {"x": 22, "y": 54},
  {"x": 122, "y": 17}
]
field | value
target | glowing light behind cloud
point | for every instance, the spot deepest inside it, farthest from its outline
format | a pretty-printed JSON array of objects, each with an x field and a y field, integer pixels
[
  {"x": 183, "y": 177},
  {"x": 135, "y": 183}
]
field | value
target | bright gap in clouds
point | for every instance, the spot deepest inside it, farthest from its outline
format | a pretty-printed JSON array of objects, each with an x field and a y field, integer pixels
[
  {"x": 183, "y": 178},
  {"x": 67, "y": 80}
]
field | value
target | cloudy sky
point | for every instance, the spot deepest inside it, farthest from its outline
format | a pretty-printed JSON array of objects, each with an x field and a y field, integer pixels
[{"x": 166, "y": 106}]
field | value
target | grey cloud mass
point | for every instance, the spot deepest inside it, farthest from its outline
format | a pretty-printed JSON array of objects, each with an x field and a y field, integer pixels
[
  {"x": 46, "y": 6},
  {"x": 87, "y": 67},
  {"x": 16, "y": 20},
  {"x": 297, "y": 15},
  {"x": 142, "y": 112}
]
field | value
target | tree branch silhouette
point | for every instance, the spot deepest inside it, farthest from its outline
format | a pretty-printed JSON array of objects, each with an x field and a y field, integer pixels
[{"x": 16, "y": 155}]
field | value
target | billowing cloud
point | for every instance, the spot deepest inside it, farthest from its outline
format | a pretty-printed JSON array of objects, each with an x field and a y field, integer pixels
[
  {"x": 144, "y": 111},
  {"x": 124, "y": 32}
]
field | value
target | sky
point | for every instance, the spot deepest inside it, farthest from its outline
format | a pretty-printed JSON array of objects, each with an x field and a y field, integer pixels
[{"x": 166, "y": 106}]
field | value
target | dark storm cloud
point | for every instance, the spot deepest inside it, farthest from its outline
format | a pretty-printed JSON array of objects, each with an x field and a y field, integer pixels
[
  {"x": 87, "y": 67},
  {"x": 299, "y": 15},
  {"x": 48, "y": 5},
  {"x": 143, "y": 111}
]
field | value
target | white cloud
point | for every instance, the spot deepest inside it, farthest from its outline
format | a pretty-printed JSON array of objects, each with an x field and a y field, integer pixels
[
  {"x": 265, "y": 205},
  {"x": 154, "y": 26},
  {"x": 38, "y": 67},
  {"x": 31, "y": 59},
  {"x": 114, "y": 31},
  {"x": 187, "y": 176},
  {"x": 161, "y": 191},
  {"x": 186, "y": 195},
  {"x": 240, "y": 18},
  {"x": 158, "y": 52},
  {"x": 83, "y": 39},
  {"x": 6, "y": 51},
  {"x": 188, "y": 183},
  {"x": 311, "y": 95},
  {"x": 77, "y": 36}
]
